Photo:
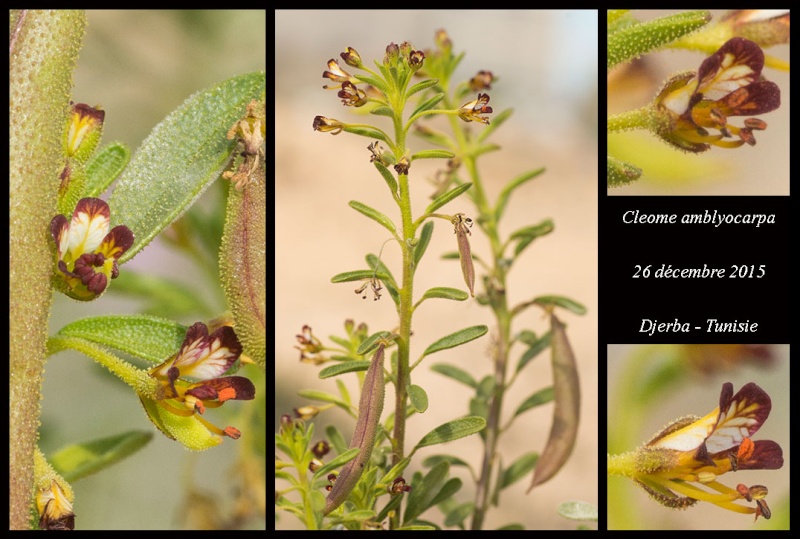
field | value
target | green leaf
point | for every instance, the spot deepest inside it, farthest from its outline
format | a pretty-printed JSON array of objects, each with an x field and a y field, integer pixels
[
  {"x": 377, "y": 83},
  {"x": 161, "y": 296},
  {"x": 180, "y": 158},
  {"x": 427, "y": 104},
  {"x": 578, "y": 510},
  {"x": 423, "y": 492},
  {"x": 316, "y": 395},
  {"x": 455, "y": 373},
  {"x": 104, "y": 167},
  {"x": 445, "y": 293},
  {"x": 457, "y": 516},
  {"x": 422, "y": 244},
  {"x": 534, "y": 350},
  {"x": 620, "y": 173},
  {"x": 452, "y": 460},
  {"x": 529, "y": 233},
  {"x": 633, "y": 41},
  {"x": 452, "y": 430},
  {"x": 373, "y": 214},
  {"x": 357, "y": 275},
  {"x": 432, "y": 154},
  {"x": 343, "y": 368},
  {"x": 561, "y": 301},
  {"x": 76, "y": 461},
  {"x": 371, "y": 342},
  {"x": 518, "y": 469},
  {"x": 424, "y": 85},
  {"x": 388, "y": 177},
  {"x": 146, "y": 337},
  {"x": 382, "y": 111},
  {"x": 455, "y": 339},
  {"x": 418, "y": 397},
  {"x": 340, "y": 460},
  {"x": 520, "y": 180},
  {"x": 543, "y": 396},
  {"x": 447, "y": 197},
  {"x": 513, "y": 526},
  {"x": 336, "y": 439},
  {"x": 367, "y": 132}
]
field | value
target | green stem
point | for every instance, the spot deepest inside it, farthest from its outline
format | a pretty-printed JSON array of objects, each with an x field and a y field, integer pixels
[
  {"x": 43, "y": 49},
  {"x": 634, "y": 119}
]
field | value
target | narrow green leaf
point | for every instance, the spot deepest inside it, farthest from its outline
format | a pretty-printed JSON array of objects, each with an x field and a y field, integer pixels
[
  {"x": 104, "y": 167},
  {"x": 377, "y": 83},
  {"x": 343, "y": 368},
  {"x": 455, "y": 339},
  {"x": 76, "y": 461},
  {"x": 518, "y": 469},
  {"x": 424, "y": 239},
  {"x": 445, "y": 293},
  {"x": 520, "y": 180},
  {"x": 543, "y": 396},
  {"x": 367, "y": 132},
  {"x": 513, "y": 526},
  {"x": 418, "y": 397},
  {"x": 357, "y": 275},
  {"x": 343, "y": 391},
  {"x": 388, "y": 177},
  {"x": 424, "y": 491},
  {"x": 578, "y": 510},
  {"x": 372, "y": 342},
  {"x": 452, "y": 460},
  {"x": 455, "y": 373},
  {"x": 424, "y": 85},
  {"x": 447, "y": 491},
  {"x": 534, "y": 350},
  {"x": 340, "y": 460},
  {"x": 373, "y": 214},
  {"x": 432, "y": 154},
  {"x": 146, "y": 337},
  {"x": 457, "y": 516},
  {"x": 335, "y": 438},
  {"x": 561, "y": 301},
  {"x": 382, "y": 111},
  {"x": 316, "y": 395},
  {"x": 613, "y": 14},
  {"x": 447, "y": 197},
  {"x": 452, "y": 430},
  {"x": 529, "y": 233},
  {"x": 427, "y": 104},
  {"x": 180, "y": 158}
]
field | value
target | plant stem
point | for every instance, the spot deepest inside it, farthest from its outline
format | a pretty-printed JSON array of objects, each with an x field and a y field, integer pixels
[
  {"x": 43, "y": 50},
  {"x": 634, "y": 119}
]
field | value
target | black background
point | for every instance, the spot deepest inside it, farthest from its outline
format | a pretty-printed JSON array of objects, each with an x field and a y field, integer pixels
[{"x": 626, "y": 300}]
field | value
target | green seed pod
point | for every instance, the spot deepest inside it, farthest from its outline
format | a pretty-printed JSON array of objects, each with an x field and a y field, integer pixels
[
  {"x": 369, "y": 415},
  {"x": 567, "y": 409}
]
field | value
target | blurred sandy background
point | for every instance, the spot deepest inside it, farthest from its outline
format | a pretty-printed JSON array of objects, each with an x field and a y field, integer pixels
[
  {"x": 140, "y": 65},
  {"x": 546, "y": 68},
  {"x": 698, "y": 395},
  {"x": 762, "y": 169}
]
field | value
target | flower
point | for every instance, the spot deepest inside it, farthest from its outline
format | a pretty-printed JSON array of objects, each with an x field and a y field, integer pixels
[
  {"x": 692, "y": 452},
  {"x": 469, "y": 111},
  {"x": 321, "y": 123},
  {"x": 204, "y": 357},
  {"x": 83, "y": 131},
  {"x": 55, "y": 508},
  {"x": 337, "y": 75},
  {"x": 87, "y": 251},
  {"x": 481, "y": 81},
  {"x": 728, "y": 83},
  {"x": 351, "y": 96},
  {"x": 351, "y": 57}
]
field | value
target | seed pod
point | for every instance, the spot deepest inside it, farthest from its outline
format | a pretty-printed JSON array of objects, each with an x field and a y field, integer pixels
[
  {"x": 567, "y": 407},
  {"x": 464, "y": 252},
  {"x": 370, "y": 407}
]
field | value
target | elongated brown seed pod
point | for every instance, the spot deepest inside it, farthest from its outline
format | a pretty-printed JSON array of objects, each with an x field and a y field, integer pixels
[
  {"x": 370, "y": 407},
  {"x": 567, "y": 407},
  {"x": 464, "y": 251}
]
